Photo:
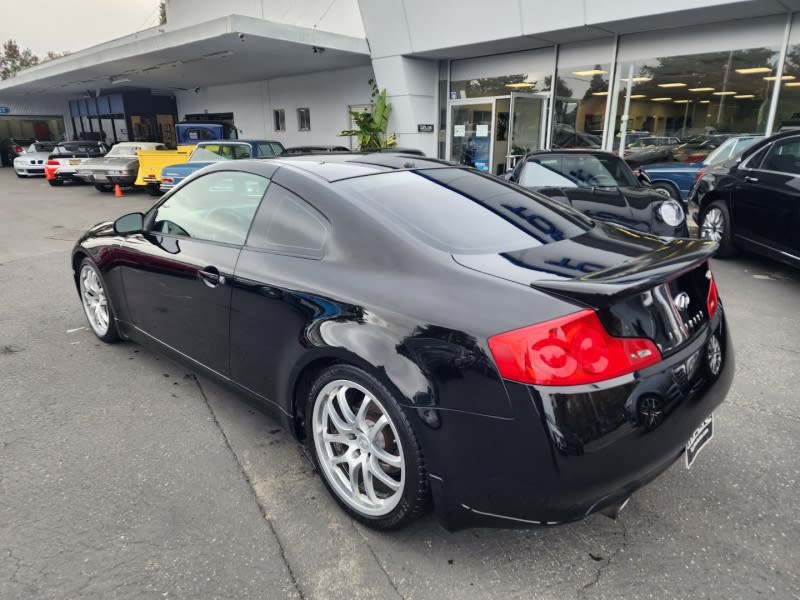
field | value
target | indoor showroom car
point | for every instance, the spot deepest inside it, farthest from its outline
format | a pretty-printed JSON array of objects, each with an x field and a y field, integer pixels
[{"x": 435, "y": 336}]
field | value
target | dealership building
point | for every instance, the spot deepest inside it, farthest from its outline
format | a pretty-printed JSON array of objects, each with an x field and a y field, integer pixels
[{"x": 463, "y": 79}]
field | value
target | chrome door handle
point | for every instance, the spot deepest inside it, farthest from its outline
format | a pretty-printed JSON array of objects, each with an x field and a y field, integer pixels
[
  {"x": 749, "y": 179},
  {"x": 210, "y": 277}
]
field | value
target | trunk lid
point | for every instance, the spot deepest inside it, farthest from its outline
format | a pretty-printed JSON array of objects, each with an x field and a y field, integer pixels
[{"x": 639, "y": 285}]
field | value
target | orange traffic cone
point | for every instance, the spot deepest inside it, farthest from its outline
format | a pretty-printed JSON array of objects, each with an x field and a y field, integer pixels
[{"x": 118, "y": 191}]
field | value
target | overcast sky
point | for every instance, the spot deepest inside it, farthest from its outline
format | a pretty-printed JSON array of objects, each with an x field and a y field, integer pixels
[{"x": 72, "y": 25}]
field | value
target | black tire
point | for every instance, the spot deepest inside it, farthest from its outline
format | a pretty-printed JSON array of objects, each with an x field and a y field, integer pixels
[
  {"x": 88, "y": 294},
  {"x": 716, "y": 224},
  {"x": 153, "y": 189},
  {"x": 669, "y": 188},
  {"x": 413, "y": 495},
  {"x": 103, "y": 187},
  {"x": 55, "y": 182}
]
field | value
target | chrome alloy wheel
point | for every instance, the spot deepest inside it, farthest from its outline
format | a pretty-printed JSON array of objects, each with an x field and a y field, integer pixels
[
  {"x": 714, "y": 355},
  {"x": 93, "y": 298},
  {"x": 713, "y": 226},
  {"x": 358, "y": 448}
]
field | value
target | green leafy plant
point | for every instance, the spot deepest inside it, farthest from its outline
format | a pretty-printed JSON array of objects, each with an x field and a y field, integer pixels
[{"x": 371, "y": 127}]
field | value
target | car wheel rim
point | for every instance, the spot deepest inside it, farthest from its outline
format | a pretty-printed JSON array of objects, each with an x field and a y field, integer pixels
[
  {"x": 713, "y": 225},
  {"x": 94, "y": 300},
  {"x": 358, "y": 448}
]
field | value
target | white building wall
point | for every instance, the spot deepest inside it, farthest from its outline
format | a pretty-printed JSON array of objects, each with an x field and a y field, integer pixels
[
  {"x": 326, "y": 94},
  {"x": 340, "y": 16}
]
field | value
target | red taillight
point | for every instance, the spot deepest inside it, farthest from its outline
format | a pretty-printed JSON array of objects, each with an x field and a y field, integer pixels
[
  {"x": 712, "y": 301},
  {"x": 52, "y": 162},
  {"x": 19, "y": 149},
  {"x": 571, "y": 350},
  {"x": 166, "y": 180}
]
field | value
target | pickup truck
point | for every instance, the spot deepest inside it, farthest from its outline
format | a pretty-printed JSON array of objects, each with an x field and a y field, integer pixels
[
  {"x": 65, "y": 158},
  {"x": 188, "y": 133}
]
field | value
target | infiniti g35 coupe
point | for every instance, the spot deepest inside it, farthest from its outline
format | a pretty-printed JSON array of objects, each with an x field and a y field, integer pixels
[{"x": 433, "y": 334}]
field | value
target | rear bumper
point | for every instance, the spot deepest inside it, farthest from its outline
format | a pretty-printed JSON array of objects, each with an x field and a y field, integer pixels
[{"x": 569, "y": 453}]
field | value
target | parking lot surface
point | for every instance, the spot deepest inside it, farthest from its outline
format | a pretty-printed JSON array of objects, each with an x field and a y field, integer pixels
[{"x": 123, "y": 475}]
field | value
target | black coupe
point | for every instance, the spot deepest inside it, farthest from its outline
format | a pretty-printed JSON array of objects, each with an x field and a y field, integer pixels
[
  {"x": 433, "y": 334},
  {"x": 603, "y": 186}
]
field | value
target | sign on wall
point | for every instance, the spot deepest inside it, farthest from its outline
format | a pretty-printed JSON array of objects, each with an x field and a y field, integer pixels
[
  {"x": 424, "y": 127},
  {"x": 4, "y": 110}
]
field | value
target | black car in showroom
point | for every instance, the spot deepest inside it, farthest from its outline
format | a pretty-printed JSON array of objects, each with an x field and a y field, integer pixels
[
  {"x": 432, "y": 333},
  {"x": 753, "y": 201},
  {"x": 601, "y": 185}
]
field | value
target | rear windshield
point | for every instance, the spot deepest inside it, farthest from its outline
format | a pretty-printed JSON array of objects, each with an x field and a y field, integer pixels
[{"x": 464, "y": 212}]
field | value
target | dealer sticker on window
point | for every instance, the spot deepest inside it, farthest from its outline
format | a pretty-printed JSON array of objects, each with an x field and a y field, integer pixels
[{"x": 698, "y": 440}]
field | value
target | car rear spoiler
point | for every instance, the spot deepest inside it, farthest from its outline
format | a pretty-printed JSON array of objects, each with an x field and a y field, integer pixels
[{"x": 604, "y": 287}]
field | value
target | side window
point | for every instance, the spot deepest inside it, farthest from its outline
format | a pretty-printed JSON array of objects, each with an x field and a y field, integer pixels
[
  {"x": 754, "y": 161},
  {"x": 286, "y": 224},
  {"x": 217, "y": 207},
  {"x": 241, "y": 151},
  {"x": 784, "y": 157}
]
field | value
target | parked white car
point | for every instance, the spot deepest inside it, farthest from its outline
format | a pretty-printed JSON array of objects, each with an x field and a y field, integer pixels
[
  {"x": 119, "y": 166},
  {"x": 35, "y": 158}
]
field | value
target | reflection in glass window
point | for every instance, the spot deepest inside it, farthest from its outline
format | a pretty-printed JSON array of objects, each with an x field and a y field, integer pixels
[
  {"x": 217, "y": 207},
  {"x": 783, "y": 157},
  {"x": 580, "y": 106},
  {"x": 700, "y": 98}
]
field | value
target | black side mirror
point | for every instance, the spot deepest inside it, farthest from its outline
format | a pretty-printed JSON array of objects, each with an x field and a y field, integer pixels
[{"x": 130, "y": 223}]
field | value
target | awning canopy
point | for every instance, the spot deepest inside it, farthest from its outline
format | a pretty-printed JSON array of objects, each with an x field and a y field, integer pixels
[{"x": 233, "y": 49}]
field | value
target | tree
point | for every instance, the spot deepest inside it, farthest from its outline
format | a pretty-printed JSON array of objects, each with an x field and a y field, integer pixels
[
  {"x": 13, "y": 59},
  {"x": 371, "y": 127}
]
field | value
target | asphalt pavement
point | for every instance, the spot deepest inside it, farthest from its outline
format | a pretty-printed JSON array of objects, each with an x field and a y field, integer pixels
[{"x": 123, "y": 475}]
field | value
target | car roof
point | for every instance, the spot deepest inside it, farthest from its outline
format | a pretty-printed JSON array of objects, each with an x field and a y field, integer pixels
[
  {"x": 336, "y": 166},
  {"x": 238, "y": 141}
]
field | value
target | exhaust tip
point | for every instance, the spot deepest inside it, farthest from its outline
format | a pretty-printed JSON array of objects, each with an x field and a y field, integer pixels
[{"x": 612, "y": 511}]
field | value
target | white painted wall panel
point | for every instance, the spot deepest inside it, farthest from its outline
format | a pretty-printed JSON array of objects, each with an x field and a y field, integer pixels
[{"x": 326, "y": 94}]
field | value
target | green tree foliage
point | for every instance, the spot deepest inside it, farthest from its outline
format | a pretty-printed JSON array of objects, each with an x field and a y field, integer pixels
[
  {"x": 14, "y": 59},
  {"x": 371, "y": 127}
]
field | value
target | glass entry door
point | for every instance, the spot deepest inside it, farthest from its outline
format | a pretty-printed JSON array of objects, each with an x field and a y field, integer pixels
[
  {"x": 528, "y": 117},
  {"x": 470, "y": 132}
]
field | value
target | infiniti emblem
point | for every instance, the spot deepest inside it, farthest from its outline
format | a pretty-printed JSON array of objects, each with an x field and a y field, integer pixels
[
  {"x": 651, "y": 412},
  {"x": 682, "y": 301}
]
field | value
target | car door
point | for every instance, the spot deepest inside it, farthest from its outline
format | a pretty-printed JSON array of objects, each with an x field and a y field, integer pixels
[
  {"x": 270, "y": 312},
  {"x": 179, "y": 273},
  {"x": 766, "y": 198}
]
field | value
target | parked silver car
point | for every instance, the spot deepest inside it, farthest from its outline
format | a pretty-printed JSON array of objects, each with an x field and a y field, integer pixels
[
  {"x": 119, "y": 166},
  {"x": 34, "y": 159}
]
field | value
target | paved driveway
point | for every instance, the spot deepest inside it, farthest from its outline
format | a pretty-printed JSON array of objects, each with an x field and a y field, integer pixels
[{"x": 122, "y": 475}]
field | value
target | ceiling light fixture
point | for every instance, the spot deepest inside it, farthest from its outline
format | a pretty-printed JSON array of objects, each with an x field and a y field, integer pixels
[
  {"x": 702, "y": 89},
  {"x": 751, "y": 70},
  {"x": 784, "y": 78},
  {"x": 599, "y": 93},
  {"x": 118, "y": 79},
  {"x": 590, "y": 72},
  {"x": 682, "y": 101},
  {"x": 705, "y": 101},
  {"x": 671, "y": 85},
  {"x": 744, "y": 96},
  {"x": 792, "y": 84},
  {"x": 660, "y": 99},
  {"x": 521, "y": 84},
  {"x": 725, "y": 93},
  {"x": 639, "y": 79},
  {"x": 637, "y": 96}
]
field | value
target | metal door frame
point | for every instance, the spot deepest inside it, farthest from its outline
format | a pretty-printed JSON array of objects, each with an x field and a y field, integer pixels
[
  {"x": 543, "y": 120},
  {"x": 467, "y": 101}
]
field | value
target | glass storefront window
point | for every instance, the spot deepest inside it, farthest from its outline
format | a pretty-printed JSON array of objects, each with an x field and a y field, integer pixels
[
  {"x": 788, "y": 112},
  {"x": 499, "y": 86},
  {"x": 580, "y": 105},
  {"x": 698, "y": 98}
]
